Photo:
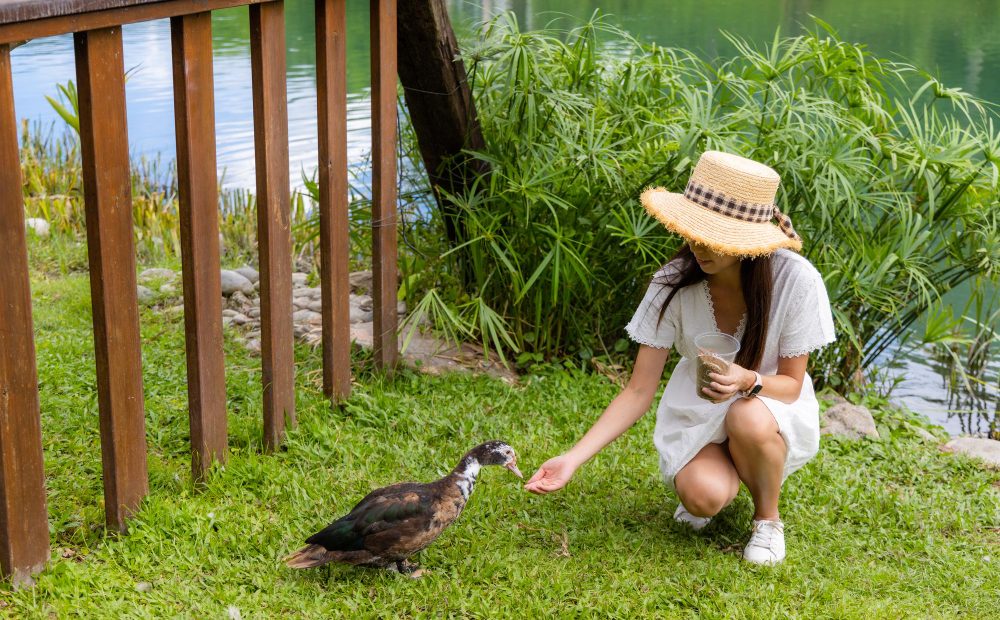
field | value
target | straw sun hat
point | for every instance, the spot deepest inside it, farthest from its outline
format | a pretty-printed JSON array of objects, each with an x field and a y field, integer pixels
[{"x": 727, "y": 206}]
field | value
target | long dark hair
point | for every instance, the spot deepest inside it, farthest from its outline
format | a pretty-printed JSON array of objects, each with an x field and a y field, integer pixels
[{"x": 757, "y": 285}]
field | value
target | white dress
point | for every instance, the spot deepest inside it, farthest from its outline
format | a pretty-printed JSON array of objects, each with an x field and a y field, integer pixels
[{"x": 800, "y": 322}]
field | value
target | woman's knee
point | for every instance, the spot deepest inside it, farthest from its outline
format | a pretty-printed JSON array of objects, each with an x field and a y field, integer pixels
[
  {"x": 750, "y": 420},
  {"x": 705, "y": 498}
]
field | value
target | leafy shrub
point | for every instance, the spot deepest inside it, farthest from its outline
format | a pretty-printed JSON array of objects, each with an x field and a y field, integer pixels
[{"x": 890, "y": 177}]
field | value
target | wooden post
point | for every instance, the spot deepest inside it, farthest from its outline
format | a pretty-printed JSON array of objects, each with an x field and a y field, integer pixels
[
  {"x": 197, "y": 183},
  {"x": 335, "y": 288},
  {"x": 274, "y": 238},
  {"x": 100, "y": 75},
  {"x": 24, "y": 526},
  {"x": 384, "y": 278}
]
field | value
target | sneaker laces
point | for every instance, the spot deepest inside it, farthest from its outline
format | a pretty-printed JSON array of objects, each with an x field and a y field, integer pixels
[{"x": 763, "y": 534}]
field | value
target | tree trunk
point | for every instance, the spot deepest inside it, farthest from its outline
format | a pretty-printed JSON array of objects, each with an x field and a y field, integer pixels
[{"x": 440, "y": 103}]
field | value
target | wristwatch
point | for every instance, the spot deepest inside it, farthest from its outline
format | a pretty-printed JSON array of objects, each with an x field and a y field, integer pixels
[{"x": 757, "y": 387}]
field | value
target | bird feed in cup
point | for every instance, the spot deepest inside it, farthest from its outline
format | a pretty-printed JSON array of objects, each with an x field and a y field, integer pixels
[{"x": 715, "y": 352}]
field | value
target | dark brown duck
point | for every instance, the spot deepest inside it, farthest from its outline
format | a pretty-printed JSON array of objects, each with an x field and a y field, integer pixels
[{"x": 392, "y": 523}]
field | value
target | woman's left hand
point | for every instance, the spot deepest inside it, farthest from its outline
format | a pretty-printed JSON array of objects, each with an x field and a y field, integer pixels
[{"x": 726, "y": 385}]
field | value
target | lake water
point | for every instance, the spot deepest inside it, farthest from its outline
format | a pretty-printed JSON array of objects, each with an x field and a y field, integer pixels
[{"x": 959, "y": 41}]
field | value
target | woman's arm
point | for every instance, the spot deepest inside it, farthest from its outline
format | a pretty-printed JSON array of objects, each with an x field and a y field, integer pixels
[
  {"x": 785, "y": 386},
  {"x": 630, "y": 405}
]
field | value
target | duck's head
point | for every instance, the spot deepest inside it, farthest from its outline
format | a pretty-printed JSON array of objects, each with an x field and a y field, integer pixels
[{"x": 497, "y": 453}]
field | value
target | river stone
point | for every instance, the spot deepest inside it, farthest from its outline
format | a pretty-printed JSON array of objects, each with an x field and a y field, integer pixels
[
  {"x": 363, "y": 302},
  {"x": 360, "y": 316},
  {"x": 249, "y": 273},
  {"x": 232, "y": 282},
  {"x": 168, "y": 289},
  {"x": 315, "y": 306},
  {"x": 144, "y": 294},
  {"x": 360, "y": 280},
  {"x": 299, "y": 279},
  {"x": 37, "y": 224},
  {"x": 985, "y": 449},
  {"x": 157, "y": 273},
  {"x": 304, "y": 316},
  {"x": 847, "y": 420}
]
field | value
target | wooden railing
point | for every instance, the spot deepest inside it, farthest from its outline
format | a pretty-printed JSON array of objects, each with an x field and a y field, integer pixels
[{"x": 97, "y": 28}]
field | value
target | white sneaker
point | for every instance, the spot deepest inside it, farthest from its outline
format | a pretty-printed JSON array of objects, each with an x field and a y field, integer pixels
[
  {"x": 767, "y": 543},
  {"x": 681, "y": 515}
]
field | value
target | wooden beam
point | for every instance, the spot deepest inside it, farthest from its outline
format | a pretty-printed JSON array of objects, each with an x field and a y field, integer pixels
[
  {"x": 62, "y": 22},
  {"x": 384, "y": 277},
  {"x": 197, "y": 184},
  {"x": 24, "y": 526},
  {"x": 274, "y": 238},
  {"x": 335, "y": 288},
  {"x": 100, "y": 75}
]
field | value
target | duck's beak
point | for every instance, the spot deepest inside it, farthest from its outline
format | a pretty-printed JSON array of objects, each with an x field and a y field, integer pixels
[{"x": 512, "y": 465}]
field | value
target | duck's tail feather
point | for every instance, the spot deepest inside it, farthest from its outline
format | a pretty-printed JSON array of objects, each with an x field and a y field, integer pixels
[{"x": 310, "y": 556}]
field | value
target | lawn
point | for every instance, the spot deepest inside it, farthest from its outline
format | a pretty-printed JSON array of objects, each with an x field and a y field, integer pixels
[{"x": 888, "y": 528}]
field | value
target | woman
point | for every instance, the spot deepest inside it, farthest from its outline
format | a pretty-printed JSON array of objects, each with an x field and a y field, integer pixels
[{"x": 757, "y": 422}]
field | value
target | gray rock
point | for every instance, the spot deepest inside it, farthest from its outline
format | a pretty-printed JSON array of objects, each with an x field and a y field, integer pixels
[
  {"x": 168, "y": 289},
  {"x": 847, "y": 420},
  {"x": 230, "y": 313},
  {"x": 315, "y": 306},
  {"x": 299, "y": 279},
  {"x": 253, "y": 345},
  {"x": 39, "y": 226},
  {"x": 309, "y": 292},
  {"x": 360, "y": 280},
  {"x": 304, "y": 316},
  {"x": 143, "y": 586},
  {"x": 249, "y": 273},
  {"x": 986, "y": 449},
  {"x": 253, "y": 313},
  {"x": 157, "y": 273},
  {"x": 144, "y": 294},
  {"x": 401, "y": 307},
  {"x": 238, "y": 301},
  {"x": 364, "y": 302},
  {"x": 240, "y": 319},
  {"x": 232, "y": 282},
  {"x": 301, "y": 302},
  {"x": 360, "y": 316}
]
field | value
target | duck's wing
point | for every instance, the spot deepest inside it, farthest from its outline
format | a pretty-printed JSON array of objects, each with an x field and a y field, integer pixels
[{"x": 382, "y": 510}]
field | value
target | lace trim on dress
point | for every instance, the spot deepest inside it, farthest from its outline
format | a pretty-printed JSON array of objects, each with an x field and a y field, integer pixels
[
  {"x": 632, "y": 332},
  {"x": 805, "y": 350},
  {"x": 711, "y": 313}
]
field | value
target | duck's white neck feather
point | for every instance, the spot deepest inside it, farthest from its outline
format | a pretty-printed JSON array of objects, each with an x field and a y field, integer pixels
[{"x": 466, "y": 475}]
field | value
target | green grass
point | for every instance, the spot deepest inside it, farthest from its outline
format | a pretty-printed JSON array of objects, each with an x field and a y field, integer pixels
[{"x": 891, "y": 528}]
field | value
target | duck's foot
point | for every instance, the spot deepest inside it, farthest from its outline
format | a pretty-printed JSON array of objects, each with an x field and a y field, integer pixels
[{"x": 406, "y": 568}]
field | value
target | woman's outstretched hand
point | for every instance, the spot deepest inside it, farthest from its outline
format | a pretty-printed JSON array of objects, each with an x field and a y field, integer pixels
[{"x": 553, "y": 475}]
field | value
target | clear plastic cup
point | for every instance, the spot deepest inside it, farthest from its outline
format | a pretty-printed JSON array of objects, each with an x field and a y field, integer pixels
[{"x": 715, "y": 352}]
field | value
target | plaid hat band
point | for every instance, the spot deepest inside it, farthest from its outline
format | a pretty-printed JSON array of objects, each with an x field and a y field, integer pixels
[{"x": 722, "y": 204}]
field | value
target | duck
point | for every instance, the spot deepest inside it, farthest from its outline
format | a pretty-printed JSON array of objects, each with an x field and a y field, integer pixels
[{"x": 391, "y": 524}]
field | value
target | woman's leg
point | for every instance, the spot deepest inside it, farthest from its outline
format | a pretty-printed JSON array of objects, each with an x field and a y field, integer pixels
[
  {"x": 758, "y": 452},
  {"x": 709, "y": 482}
]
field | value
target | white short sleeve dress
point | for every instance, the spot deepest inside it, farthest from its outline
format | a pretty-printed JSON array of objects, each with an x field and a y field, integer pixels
[{"x": 800, "y": 322}]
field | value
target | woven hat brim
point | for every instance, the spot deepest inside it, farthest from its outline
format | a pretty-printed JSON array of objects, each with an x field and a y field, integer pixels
[{"x": 720, "y": 233}]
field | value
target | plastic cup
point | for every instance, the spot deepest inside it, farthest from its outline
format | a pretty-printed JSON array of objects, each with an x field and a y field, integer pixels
[{"x": 715, "y": 352}]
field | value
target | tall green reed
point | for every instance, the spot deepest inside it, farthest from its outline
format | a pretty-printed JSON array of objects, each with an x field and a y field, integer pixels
[{"x": 890, "y": 177}]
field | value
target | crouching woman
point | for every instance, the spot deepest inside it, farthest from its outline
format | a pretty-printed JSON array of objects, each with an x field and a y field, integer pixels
[{"x": 758, "y": 420}]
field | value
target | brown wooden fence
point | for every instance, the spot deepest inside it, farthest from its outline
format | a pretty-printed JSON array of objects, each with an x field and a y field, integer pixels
[{"x": 97, "y": 28}]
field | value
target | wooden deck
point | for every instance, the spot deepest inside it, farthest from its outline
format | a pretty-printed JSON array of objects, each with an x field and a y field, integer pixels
[{"x": 97, "y": 29}]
